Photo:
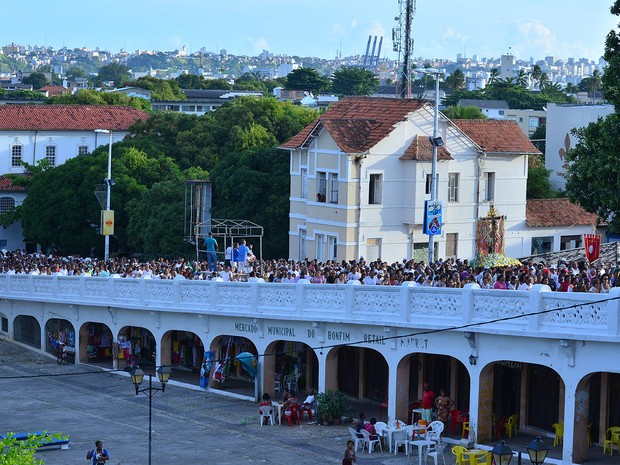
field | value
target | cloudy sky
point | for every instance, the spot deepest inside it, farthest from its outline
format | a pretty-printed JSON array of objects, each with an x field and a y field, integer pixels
[{"x": 441, "y": 28}]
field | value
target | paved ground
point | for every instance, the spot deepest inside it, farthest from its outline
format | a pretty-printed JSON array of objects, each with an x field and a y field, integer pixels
[{"x": 189, "y": 426}]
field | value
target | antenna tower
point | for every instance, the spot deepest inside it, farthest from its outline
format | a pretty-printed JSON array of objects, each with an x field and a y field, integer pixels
[{"x": 402, "y": 39}]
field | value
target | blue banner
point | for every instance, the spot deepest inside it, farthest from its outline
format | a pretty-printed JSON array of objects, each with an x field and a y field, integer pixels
[{"x": 432, "y": 217}]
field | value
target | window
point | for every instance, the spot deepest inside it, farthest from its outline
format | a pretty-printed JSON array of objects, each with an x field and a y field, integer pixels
[
  {"x": 374, "y": 191},
  {"x": 321, "y": 186},
  {"x": 5, "y": 324},
  {"x": 429, "y": 179},
  {"x": 452, "y": 240},
  {"x": 501, "y": 112},
  {"x": 373, "y": 249},
  {"x": 16, "y": 155},
  {"x": 50, "y": 154},
  {"x": 302, "y": 244},
  {"x": 542, "y": 245},
  {"x": 6, "y": 204},
  {"x": 82, "y": 149},
  {"x": 533, "y": 122},
  {"x": 332, "y": 248},
  {"x": 333, "y": 187},
  {"x": 304, "y": 183},
  {"x": 489, "y": 191},
  {"x": 570, "y": 242},
  {"x": 453, "y": 187},
  {"x": 320, "y": 247}
]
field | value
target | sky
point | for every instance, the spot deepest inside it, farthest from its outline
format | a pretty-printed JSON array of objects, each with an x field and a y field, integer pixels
[{"x": 322, "y": 28}]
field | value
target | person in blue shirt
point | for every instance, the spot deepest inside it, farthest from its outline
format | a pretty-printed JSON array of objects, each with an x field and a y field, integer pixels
[
  {"x": 243, "y": 256},
  {"x": 211, "y": 246},
  {"x": 98, "y": 455}
]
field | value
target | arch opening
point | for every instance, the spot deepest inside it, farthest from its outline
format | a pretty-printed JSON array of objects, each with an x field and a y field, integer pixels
[
  {"x": 27, "y": 330},
  {"x": 96, "y": 344},
  {"x": 227, "y": 373},
  {"x": 136, "y": 348},
  {"x": 58, "y": 333}
]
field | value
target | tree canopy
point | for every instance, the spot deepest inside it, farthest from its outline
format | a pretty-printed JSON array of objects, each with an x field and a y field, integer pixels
[
  {"x": 611, "y": 77},
  {"x": 459, "y": 112},
  {"x": 37, "y": 80},
  {"x": 95, "y": 97},
  {"x": 115, "y": 72},
  {"x": 161, "y": 89},
  {"x": 306, "y": 79},
  {"x": 350, "y": 80}
]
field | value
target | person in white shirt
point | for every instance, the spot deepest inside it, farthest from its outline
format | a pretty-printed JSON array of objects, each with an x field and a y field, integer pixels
[
  {"x": 226, "y": 273},
  {"x": 371, "y": 278}
]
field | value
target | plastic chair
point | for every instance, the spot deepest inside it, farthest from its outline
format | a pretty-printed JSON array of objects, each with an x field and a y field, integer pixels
[
  {"x": 559, "y": 433},
  {"x": 456, "y": 418},
  {"x": 266, "y": 412},
  {"x": 277, "y": 383},
  {"x": 457, "y": 451},
  {"x": 436, "y": 451},
  {"x": 511, "y": 425},
  {"x": 465, "y": 430},
  {"x": 306, "y": 408},
  {"x": 434, "y": 431},
  {"x": 401, "y": 438},
  {"x": 482, "y": 459},
  {"x": 382, "y": 405},
  {"x": 371, "y": 442},
  {"x": 612, "y": 435},
  {"x": 291, "y": 383},
  {"x": 291, "y": 414},
  {"x": 589, "y": 434},
  {"x": 356, "y": 439}
]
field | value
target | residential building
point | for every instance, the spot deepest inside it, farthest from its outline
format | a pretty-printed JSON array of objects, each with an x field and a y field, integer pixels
[
  {"x": 493, "y": 109},
  {"x": 201, "y": 101},
  {"x": 11, "y": 196},
  {"x": 561, "y": 120},
  {"x": 528, "y": 120},
  {"x": 361, "y": 172}
]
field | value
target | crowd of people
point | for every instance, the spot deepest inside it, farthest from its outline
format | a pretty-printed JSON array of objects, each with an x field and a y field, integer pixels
[{"x": 562, "y": 276}]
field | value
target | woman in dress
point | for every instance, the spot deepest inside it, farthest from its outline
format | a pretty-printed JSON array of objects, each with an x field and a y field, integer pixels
[{"x": 443, "y": 403}]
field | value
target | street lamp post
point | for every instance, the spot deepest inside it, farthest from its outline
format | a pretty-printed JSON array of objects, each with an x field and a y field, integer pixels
[
  {"x": 163, "y": 373},
  {"x": 108, "y": 182},
  {"x": 436, "y": 141},
  {"x": 537, "y": 450}
]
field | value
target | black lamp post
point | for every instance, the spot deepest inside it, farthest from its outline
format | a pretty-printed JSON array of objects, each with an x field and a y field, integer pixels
[
  {"x": 163, "y": 373},
  {"x": 537, "y": 450},
  {"x": 502, "y": 454}
]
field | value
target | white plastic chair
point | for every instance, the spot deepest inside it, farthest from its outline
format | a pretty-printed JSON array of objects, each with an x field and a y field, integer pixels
[
  {"x": 266, "y": 412},
  {"x": 434, "y": 430},
  {"x": 436, "y": 451},
  {"x": 371, "y": 442},
  {"x": 401, "y": 438},
  {"x": 356, "y": 439}
]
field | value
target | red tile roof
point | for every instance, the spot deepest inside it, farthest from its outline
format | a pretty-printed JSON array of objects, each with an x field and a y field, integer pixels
[
  {"x": 421, "y": 149},
  {"x": 6, "y": 185},
  {"x": 497, "y": 136},
  {"x": 546, "y": 213},
  {"x": 54, "y": 90},
  {"x": 68, "y": 117},
  {"x": 358, "y": 123}
]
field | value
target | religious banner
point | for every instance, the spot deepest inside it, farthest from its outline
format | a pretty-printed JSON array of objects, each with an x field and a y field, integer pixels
[
  {"x": 592, "y": 244},
  {"x": 432, "y": 217},
  {"x": 490, "y": 234},
  {"x": 107, "y": 222}
]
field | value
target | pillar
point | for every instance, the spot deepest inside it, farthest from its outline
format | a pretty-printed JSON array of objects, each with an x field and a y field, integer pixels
[
  {"x": 328, "y": 377},
  {"x": 400, "y": 386},
  {"x": 361, "y": 389},
  {"x": 569, "y": 429},
  {"x": 267, "y": 370},
  {"x": 581, "y": 420},
  {"x": 164, "y": 350},
  {"x": 482, "y": 385}
]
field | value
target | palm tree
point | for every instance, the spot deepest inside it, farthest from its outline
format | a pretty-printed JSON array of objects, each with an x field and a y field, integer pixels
[
  {"x": 535, "y": 75},
  {"x": 594, "y": 84},
  {"x": 543, "y": 81},
  {"x": 494, "y": 76},
  {"x": 523, "y": 79}
]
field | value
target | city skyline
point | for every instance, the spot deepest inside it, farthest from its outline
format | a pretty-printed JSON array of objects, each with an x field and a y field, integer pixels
[{"x": 537, "y": 29}]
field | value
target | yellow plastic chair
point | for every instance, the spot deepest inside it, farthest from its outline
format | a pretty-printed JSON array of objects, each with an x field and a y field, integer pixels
[
  {"x": 465, "y": 429},
  {"x": 457, "y": 451},
  {"x": 486, "y": 459},
  {"x": 511, "y": 425},
  {"x": 612, "y": 435},
  {"x": 559, "y": 433}
]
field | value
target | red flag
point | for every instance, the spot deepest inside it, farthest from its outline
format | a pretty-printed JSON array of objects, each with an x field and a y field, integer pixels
[{"x": 593, "y": 246}]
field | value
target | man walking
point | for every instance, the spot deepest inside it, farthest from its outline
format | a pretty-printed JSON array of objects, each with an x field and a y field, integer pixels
[{"x": 211, "y": 246}]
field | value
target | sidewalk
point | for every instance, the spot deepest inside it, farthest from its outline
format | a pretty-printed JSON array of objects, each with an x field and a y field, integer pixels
[{"x": 190, "y": 426}]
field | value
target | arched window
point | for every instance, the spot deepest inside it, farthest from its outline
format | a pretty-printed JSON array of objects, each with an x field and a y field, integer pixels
[{"x": 6, "y": 204}]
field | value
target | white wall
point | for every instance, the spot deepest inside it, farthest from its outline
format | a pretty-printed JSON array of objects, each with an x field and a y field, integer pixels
[{"x": 561, "y": 119}]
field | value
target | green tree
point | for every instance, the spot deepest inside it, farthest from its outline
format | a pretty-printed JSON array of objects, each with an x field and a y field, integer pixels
[
  {"x": 535, "y": 74},
  {"x": 264, "y": 198},
  {"x": 306, "y": 79},
  {"x": 161, "y": 89},
  {"x": 94, "y": 97},
  {"x": 75, "y": 72},
  {"x": 611, "y": 76},
  {"x": 14, "y": 452},
  {"x": 350, "y": 80},
  {"x": 459, "y": 112},
  {"x": 593, "y": 171},
  {"x": 523, "y": 78},
  {"x": 538, "y": 183},
  {"x": 591, "y": 84},
  {"x": 456, "y": 80},
  {"x": 494, "y": 76},
  {"x": 250, "y": 81},
  {"x": 115, "y": 72},
  {"x": 37, "y": 80}
]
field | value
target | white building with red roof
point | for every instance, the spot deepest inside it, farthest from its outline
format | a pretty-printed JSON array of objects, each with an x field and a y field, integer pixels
[
  {"x": 361, "y": 172},
  {"x": 31, "y": 133}
]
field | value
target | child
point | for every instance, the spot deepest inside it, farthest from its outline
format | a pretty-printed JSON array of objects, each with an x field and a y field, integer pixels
[{"x": 349, "y": 454}]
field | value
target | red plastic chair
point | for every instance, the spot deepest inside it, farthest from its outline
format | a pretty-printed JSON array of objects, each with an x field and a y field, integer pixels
[
  {"x": 292, "y": 414},
  {"x": 306, "y": 408},
  {"x": 382, "y": 405},
  {"x": 456, "y": 418}
]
